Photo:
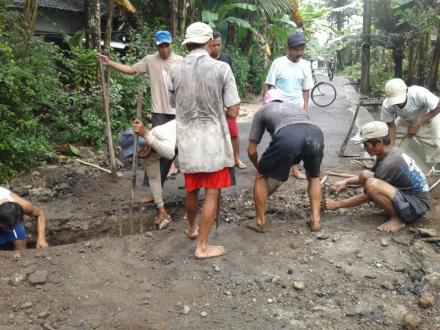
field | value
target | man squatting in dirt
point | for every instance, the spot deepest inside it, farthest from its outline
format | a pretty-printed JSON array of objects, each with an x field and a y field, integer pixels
[
  {"x": 294, "y": 138},
  {"x": 156, "y": 66},
  {"x": 395, "y": 183},
  {"x": 159, "y": 142},
  {"x": 12, "y": 208},
  {"x": 205, "y": 151}
]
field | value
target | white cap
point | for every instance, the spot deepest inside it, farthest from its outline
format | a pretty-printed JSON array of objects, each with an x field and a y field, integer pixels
[
  {"x": 395, "y": 91},
  {"x": 372, "y": 130},
  {"x": 198, "y": 33}
]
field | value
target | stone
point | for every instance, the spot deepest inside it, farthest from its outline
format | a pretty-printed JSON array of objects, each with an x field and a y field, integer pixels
[
  {"x": 186, "y": 309},
  {"x": 321, "y": 236},
  {"x": 384, "y": 242},
  {"x": 29, "y": 269},
  {"x": 216, "y": 268},
  {"x": 26, "y": 305},
  {"x": 43, "y": 314},
  {"x": 427, "y": 232},
  {"x": 17, "y": 279},
  {"x": 149, "y": 234},
  {"x": 38, "y": 277},
  {"x": 432, "y": 280},
  {"x": 427, "y": 300},
  {"x": 411, "y": 321},
  {"x": 203, "y": 314},
  {"x": 269, "y": 301},
  {"x": 298, "y": 285},
  {"x": 359, "y": 255}
]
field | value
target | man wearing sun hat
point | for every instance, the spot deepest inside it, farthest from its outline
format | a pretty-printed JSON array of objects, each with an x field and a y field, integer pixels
[
  {"x": 395, "y": 183},
  {"x": 201, "y": 88},
  {"x": 156, "y": 66},
  {"x": 294, "y": 138},
  {"x": 412, "y": 112}
]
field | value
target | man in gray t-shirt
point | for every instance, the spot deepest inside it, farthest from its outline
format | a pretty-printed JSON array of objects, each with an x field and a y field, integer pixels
[
  {"x": 395, "y": 183},
  {"x": 294, "y": 138}
]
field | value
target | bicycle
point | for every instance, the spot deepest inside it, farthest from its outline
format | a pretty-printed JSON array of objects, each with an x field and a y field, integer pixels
[{"x": 323, "y": 93}]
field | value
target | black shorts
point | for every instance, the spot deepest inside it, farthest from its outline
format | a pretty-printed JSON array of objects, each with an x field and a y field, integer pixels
[
  {"x": 288, "y": 147},
  {"x": 158, "y": 119},
  {"x": 405, "y": 209}
]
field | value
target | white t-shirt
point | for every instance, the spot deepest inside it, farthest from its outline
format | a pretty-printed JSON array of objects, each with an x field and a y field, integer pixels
[
  {"x": 420, "y": 101},
  {"x": 5, "y": 194},
  {"x": 291, "y": 78}
]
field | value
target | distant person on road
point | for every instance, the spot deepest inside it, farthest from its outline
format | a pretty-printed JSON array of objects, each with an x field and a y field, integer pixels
[
  {"x": 232, "y": 122},
  {"x": 202, "y": 88},
  {"x": 156, "y": 66},
  {"x": 12, "y": 209},
  {"x": 294, "y": 138},
  {"x": 331, "y": 69},
  {"x": 412, "y": 112},
  {"x": 395, "y": 183},
  {"x": 292, "y": 75}
]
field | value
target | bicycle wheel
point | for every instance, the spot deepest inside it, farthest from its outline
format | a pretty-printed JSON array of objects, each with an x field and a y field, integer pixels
[{"x": 323, "y": 94}]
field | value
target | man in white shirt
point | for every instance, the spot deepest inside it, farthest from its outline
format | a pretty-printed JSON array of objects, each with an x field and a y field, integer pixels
[
  {"x": 292, "y": 75},
  {"x": 412, "y": 112}
]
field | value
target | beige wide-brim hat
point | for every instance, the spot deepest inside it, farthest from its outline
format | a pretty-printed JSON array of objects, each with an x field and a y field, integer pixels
[
  {"x": 198, "y": 33},
  {"x": 395, "y": 91},
  {"x": 372, "y": 130}
]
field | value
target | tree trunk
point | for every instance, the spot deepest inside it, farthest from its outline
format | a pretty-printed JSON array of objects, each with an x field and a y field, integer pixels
[
  {"x": 365, "y": 72},
  {"x": 30, "y": 13},
  {"x": 108, "y": 36},
  {"x": 247, "y": 43},
  {"x": 398, "y": 55},
  {"x": 422, "y": 60},
  {"x": 412, "y": 54},
  {"x": 183, "y": 7},
  {"x": 231, "y": 38},
  {"x": 433, "y": 73},
  {"x": 93, "y": 29},
  {"x": 174, "y": 20}
]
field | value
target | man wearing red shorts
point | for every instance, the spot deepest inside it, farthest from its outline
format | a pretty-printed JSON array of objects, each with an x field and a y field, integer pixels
[
  {"x": 232, "y": 122},
  {"x": 203, "y": 139}
]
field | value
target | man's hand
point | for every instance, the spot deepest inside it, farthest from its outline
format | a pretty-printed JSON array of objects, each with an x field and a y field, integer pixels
[
  {"x": 338, "y": 186},
  {"x": 329, "y": 204},
  {"x": 105, "y": 60},
  {"x": 138, "y": 128},
  {"x": 413, "y": 129},
  {"x": 41, "y": 243}
]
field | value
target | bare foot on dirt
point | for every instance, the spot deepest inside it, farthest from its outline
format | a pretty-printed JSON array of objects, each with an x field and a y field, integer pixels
[
  {"x": 315, "y": 226},
  {"x": 240, "y": 164},
  {"x": 192, "y": 232},
  {"x": 210, "y": 251},
  {"x": 255, "y": 226},
  {"x": 297, "y": 173},
  {"x": 147, "y": 199},
  {"x": 392, "y": 225}
]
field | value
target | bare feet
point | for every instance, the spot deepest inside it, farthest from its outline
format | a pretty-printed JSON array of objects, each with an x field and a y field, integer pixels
[
  {"x": 147, "y": 199},
  {"x": 240, "y": 164},
  {"x": 173, "y": 170},
  {"x": 255, "y": 226},
  {"x": 192, "y": 232},
  {"x": 392, "y": 225},
  {"x": 210, "y": 251},
  {"x": 297, "y": 173},
  {"x": 315, "y": 226}
]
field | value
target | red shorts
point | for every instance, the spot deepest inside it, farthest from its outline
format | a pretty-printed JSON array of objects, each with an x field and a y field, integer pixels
[
  {"x": 233, "y": 128},
  {"x": 213, "y": 180}
]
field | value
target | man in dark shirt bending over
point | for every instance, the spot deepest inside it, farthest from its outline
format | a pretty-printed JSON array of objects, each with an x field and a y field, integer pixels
[
  {"x": 294, "y": 138},
  {"x": 395, "y": 183}
]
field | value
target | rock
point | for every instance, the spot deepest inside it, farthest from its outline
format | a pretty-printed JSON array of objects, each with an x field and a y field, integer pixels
[
  {"x": 17, "y": 279},
  {"x": 228, "y": 293},
  {"x": 427, "y": 232},
  {"x": 289, "y": 271},
  {"x": 425, "y": 257},
  {"x": 269, "y": 301},
  {"x": 359, "y": 255},
  {"x": 29, "y": 269},
  {"x": 427, "y": 300},
  {"x": 47, "y": 326},
  {"x": 384, "y": 242},
  {"x": 379, "y": 265},
  {"x": 26, "y": 305},
  {"x": 216, "y": 268},
  {"x": 387, "y": 285},
  {"x": 321, "y": 236},
  {"x": 432, "y": 280},
  {"x": 298, "y": 285},
  {"x": 38, "y": 277},
  {"x": 149, "y": 234},
  {"x": 411, "y": 321},
  {"x": 293, "y": 245},
  {"x": 203, "y": 314},
  {"x": 186, "y": 309},
  {"x": 43, "y": 315}
]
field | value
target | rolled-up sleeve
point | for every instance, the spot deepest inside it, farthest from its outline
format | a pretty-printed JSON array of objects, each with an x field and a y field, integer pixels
[
  {"x": 386, "y": 114},
  {"x": 230, "y": 92},
  {"x": 141, "y": 66}
]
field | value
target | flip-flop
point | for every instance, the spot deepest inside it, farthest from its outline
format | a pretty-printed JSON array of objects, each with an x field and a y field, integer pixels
[
  {"x": 255, "y": 227},
  {"x": 241, "y": 165}
]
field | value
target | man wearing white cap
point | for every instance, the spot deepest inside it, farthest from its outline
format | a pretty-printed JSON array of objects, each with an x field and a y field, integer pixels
[
  {"x": 413, "y": 112},
  {"x": 294, "y": 138},
  {"x": 201, "y": 88},
  {"x": 156, "y": 66},
  {"x": 395, "y": 183}
]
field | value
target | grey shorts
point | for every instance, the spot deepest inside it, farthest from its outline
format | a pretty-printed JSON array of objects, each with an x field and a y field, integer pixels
[{"x": 404, "y": 209}]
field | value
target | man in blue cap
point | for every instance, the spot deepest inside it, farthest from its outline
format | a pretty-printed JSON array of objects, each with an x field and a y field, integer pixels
[{"x": 156, "y": 66}]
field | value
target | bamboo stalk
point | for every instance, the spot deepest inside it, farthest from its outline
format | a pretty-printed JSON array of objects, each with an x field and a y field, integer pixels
[
  {"x": 342, "y": 175},
  {"x": 92, "y": 165}
]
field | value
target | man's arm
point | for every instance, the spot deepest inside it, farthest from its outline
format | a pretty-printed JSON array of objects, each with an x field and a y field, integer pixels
[
  {"x": 117, "y": 66},
  {"x": 232, "y": 112},
  {"x": 392, "y": 132},
  {"x": 331, "y": 204},
  {"x": 36, "y": 212},
  {"x": 414, "y": 128},
  {"x": 306, "y": 94},
  {"x": 342, "y": 184},
  {"x": 252, "y": 153}
]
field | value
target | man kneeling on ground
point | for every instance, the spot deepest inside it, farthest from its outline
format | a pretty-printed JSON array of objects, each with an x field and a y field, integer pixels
[
  {"x": 395, "y": 183},
  {"x": 294, "y": 138},
  {"x": 12, "y": 208}
]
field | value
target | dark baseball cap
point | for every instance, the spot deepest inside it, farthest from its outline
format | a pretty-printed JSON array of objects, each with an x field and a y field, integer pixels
[{"x": 296, "y": 39}]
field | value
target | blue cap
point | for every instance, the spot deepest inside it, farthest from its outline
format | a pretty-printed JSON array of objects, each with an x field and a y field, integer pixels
[
  {"x": 162, "y": 37},
  {"x": 126, "y": 141}
]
